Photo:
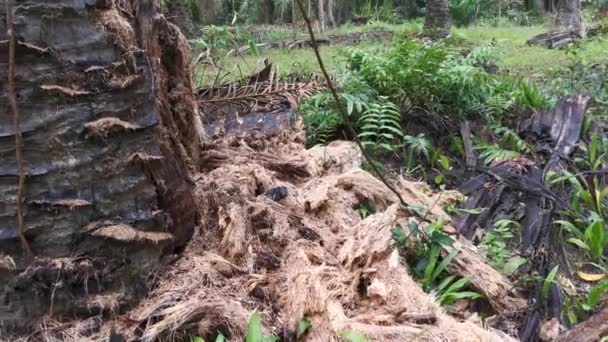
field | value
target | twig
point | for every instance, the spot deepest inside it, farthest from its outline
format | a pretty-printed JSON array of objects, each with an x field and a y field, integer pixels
[
  {"x": 17, "y": 124},
  {"x": 345, "y": 117}
]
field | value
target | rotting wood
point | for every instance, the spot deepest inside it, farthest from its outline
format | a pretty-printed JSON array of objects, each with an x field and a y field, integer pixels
[
  {"x": 591, "y": 330},
  {"x": 470, "y": 157},
  {"x": 554, "y": 40},
  {"x": 522, "y": 181}
]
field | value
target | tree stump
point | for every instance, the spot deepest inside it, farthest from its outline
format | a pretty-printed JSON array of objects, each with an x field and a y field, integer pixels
[{"x": 111, "y": 136}]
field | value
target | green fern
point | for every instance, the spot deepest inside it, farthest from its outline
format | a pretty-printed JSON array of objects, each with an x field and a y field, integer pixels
[
  {"x": 509, "y": 138},
  {"x": 493, "y": 152},
  {"x": 380, "y": 126},
  {"x": 416, "y": 146}
]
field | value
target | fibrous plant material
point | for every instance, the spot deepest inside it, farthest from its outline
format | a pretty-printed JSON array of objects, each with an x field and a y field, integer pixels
[
  {"x": 111, "y": 136},
  {"x": 309, "y": 254},
  {"x": 261, "y": 95}
]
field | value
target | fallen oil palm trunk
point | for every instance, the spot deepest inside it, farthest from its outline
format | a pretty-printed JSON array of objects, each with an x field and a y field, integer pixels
[
  {"x": 554, "y": 40},
  {"x": 111, "y": 136},
  {"x": 516, "y": 189}
]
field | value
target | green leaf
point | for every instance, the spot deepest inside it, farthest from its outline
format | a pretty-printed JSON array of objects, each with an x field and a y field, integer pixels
[
  {"x": 439, "y": 179},
  {"x": 352, "y": 336},
  {"x": 579, "y": 243},
  {"x": 220, "y": 338},
  {"x": 595, "y": 236},
  {"x": 444, "y": 162},
  {"x": 549, "y": 281},
  {"x": 454, "y": 296},
  {"x": 475, "y": 211},
  {"x": 442, "y": 239},
  {"x": 430, "y": 267},
  {"x": 254, "y": 328},
  {"x": 197, "y": 339},
  {"x": 270, "y": 339},
  {"x": 303, "y": 326},
  {"x": 458, "y": 285},
  {"x": 596, "y": 294},
  {"x": 570, "y": 227},
  {"x": 444, "y": 264},
  {"x": 444, "y": 283},
  {"x": 513, "y": 264}
]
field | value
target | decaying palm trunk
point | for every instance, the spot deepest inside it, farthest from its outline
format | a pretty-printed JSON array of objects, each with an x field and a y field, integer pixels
[
  {"x": 111, "y": 136},
  {"x": 437, "y": 22}
]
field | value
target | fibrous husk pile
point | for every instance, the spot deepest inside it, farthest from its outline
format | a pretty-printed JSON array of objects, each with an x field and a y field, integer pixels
[{"x": 282, "y": 235}]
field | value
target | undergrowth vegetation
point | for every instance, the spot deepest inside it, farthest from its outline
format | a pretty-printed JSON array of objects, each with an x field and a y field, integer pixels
[
  {"x": 398, "y": 95},
  {"x": 387, "y": 93}
]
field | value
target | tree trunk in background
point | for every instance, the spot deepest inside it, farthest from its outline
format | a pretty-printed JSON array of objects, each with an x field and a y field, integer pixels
[
  {"x": 111, "y": 137},
  {"x": 179, "y": 14},
  {"x": 320, "y": 13},
  {"x": 569, "y": 16},
  {"x": 206, "y": 11},
  {"x": 266, "y": 11},
  {"x": 437, "y": 22}
]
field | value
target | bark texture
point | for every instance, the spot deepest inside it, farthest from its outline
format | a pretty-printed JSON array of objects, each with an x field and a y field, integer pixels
[
  {"x": 438, "y": 21},
  {"x": 179, "y": 14},
  {"x": 569, "y": 16},
  {"x": 111, "y": 135}
]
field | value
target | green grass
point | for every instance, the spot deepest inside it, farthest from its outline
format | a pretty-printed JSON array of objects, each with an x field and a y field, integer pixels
[
  {"x": 290, "y": 62},
  {"x": 517, "y": 57},
  {"x": 514, "y": 55}
]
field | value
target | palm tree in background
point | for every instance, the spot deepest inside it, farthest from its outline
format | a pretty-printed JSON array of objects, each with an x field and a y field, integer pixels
[{"x": 438, "y": 21}]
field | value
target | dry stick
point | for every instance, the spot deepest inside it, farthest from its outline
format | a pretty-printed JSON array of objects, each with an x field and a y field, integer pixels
[
  {"x": 345, "y": 117},
  {"x": 17, "y": 124}
]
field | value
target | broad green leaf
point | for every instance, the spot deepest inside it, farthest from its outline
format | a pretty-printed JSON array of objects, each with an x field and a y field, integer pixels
[
  {"x": 452, "y": 297},
  {"x": 596, "y": 294},
  {"x": 549, "y": 281},
  {"x": 438, "y": 179},
  {"x": 254, "y": 329},
  {"x": 444, "y": 283},
  {"x": 513, "y": 264},
  {"x": 579, "y": 243},
  {"x": 430, "y": 267},
  {"x": 220, "y": 338},
  {"x": 352, "y": 336},
  {"x": 442, "y": 239},
  {"x": 303, "y": 326},
  {"x": 475, "y": 211},
  {"x": 444, "y": 264},
  {"x": 570, "y": 227},
  {"x": 444, "y": 162},
  {"x": 457, "y": 285},
  {"x": 595, "y": 236},
  {"x": 197, "y": 339}
]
